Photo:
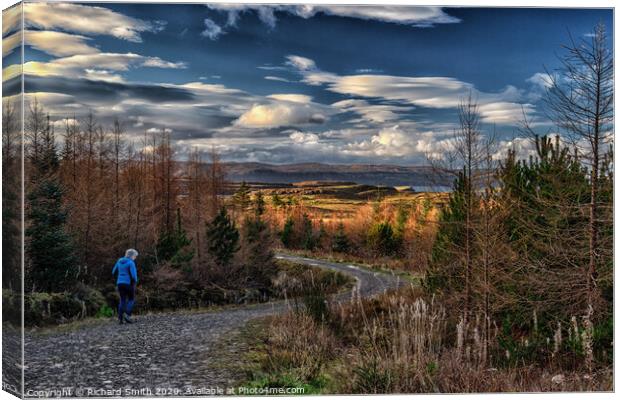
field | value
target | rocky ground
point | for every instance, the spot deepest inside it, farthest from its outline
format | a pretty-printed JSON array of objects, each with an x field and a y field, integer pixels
[{"x": 180, "y": 353}]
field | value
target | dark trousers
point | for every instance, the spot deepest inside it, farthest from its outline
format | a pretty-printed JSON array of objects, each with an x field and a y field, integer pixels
[{"x": 127, "y": 293}]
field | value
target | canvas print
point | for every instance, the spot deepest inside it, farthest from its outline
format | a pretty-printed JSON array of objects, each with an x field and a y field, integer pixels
[{"x": 255, "y": 199}]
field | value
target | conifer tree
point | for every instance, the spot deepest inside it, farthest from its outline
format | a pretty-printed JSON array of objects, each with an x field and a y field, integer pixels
[
  {"x": 222, "y": 238},
  {"x": 382, "y": 240},
  {"x": 308, "y": 238},
  {"x": 258, "y": 255},
  {"x": 173, "y": 246},
  {"x": 340, "y": 241},
  {"x": 52, "y": 261},
  {"x": 444, "y": 273},
  {"x": 241, "y": 198},
  {"x": 11, "y": 204},
  {"x": 286, "y": 236},
  {"x": 259, "y": 204},
  {"x": 580, "y": 100}
]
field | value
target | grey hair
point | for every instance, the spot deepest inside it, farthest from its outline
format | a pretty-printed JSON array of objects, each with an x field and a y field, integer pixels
[{"x": 131, "y": 253}]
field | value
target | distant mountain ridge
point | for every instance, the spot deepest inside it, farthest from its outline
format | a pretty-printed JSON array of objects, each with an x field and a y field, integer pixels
[{"x": 368, "y": 174}]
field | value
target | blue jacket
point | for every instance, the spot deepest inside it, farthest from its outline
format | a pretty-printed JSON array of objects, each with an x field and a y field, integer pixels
[{"x": 126, "y": 269}]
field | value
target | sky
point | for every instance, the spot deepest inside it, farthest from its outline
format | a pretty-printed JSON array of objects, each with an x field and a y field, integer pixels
[{"x": 292, "y": 83}]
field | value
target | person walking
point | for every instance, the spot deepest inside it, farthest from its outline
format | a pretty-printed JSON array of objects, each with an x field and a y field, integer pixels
[{"x": 127, "y": 278}]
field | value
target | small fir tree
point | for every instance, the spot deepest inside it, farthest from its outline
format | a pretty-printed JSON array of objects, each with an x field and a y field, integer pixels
[
  {"x": 286, "y": 236},
  {"x": 259, "y": 204},
  {"x": 222, "y": 238},
  {"x": 174, "y": 246},
  {"x": 340, "y": 241},
  {"x": 241, "y": 198}
]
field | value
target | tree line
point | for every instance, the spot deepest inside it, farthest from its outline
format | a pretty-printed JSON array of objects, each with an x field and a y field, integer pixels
[{"x": 90, "y": 194}]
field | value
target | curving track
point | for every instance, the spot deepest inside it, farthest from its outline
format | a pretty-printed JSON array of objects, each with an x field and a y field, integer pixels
[{"x": 179, "y": 353}]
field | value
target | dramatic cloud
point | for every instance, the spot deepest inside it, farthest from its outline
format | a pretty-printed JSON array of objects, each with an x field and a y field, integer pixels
[
  {"x": 81, "y": 19},
  {"x": 53, "y": 43},
  {"x": 283, "y": 113},
  {"x": 392, "y": 142},
  {"x": 414, "y": 16},
  {"x": 377, "y": 113},
  {"x": 408, "y": 145},
  {"x": 105, "y": 93},
  {"x": 431, "y": 92},
  {"x": 295, "y": 98},
  {"x": 91, "y": 66},
  {"x": 304, "y": 138},
  {"x": 11, "y": 42},
  {"x": 277, "y": 105},
  {"x": 11, "y": 19}
]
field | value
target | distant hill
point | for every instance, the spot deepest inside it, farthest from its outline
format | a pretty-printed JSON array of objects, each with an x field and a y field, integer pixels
[{"x": 367, "y": 174}]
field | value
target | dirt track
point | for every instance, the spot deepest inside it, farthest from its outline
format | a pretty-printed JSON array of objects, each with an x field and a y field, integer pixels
[{"x": 183, "y": 353}]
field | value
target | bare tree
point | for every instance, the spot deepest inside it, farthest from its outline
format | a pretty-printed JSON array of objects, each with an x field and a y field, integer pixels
[
  {"x": 580, "y": 101},
  {"x": 35, "y": 125},
  {"x": 216, "y": 181},
  {"x": 465, "y": 158},
  {"x": 118, "y": 147},
  {"x": 11, "y": 199},
  {"x": 197, "y": 191},
  {"x": 9, "y": 130}
]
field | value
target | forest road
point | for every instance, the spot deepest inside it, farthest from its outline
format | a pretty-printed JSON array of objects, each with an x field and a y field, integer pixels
[{"x": 175, "y": 354}]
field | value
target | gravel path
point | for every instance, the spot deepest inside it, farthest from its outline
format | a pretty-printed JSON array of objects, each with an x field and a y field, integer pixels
[{"x": 170, "y": 354}]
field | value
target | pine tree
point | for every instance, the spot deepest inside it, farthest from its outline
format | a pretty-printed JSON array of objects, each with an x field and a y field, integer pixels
[
  {"x": 382, "y": 240},
  {"x": 322, "y": 238},
  {"x": 173, "y": 246},
  {"x": 258, "y": 253},
  {"x": 53, "y": 265},
  {"x": 11, "y": 204},
  {"x": 286, "y": 236},
  {"x": 11, "y": 208},
  {"x": 444, "y": 274},
  {"x": 222, "y": 238},
  {"x": 259, "y": 204},
  {"x": 340, "y": 241},
  {"x": 542, "y": 199},
  {"x": 308, "y": 239},
  {"x": 402, "y": 216},
  {"x": 241, "y": 198}
]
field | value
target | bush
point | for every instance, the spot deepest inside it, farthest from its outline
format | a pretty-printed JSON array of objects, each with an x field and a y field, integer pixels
[
  {"x": 315, "y": 302},
  {"x": 93, "y": 299},
  {"x": 11, "y": 307},
  {"x": 105, "y": 312},
  {"x": 52, "y": 308},
  {"x": 300, "y": 345}
]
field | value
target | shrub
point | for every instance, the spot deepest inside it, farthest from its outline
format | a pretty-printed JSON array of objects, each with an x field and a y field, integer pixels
[
  {"x": 299, "y": 344},
  {"x": 105, "y": 312},
  {"x": 315, "y": 302}
]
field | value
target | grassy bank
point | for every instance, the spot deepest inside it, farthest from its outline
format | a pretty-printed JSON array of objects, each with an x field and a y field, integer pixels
[
  {"x": 290, "y": 280},
  {"x": 401, "y": 342}
]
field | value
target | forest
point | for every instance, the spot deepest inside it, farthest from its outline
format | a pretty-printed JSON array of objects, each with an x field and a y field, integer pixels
[{"x": 510, "y": 274}]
